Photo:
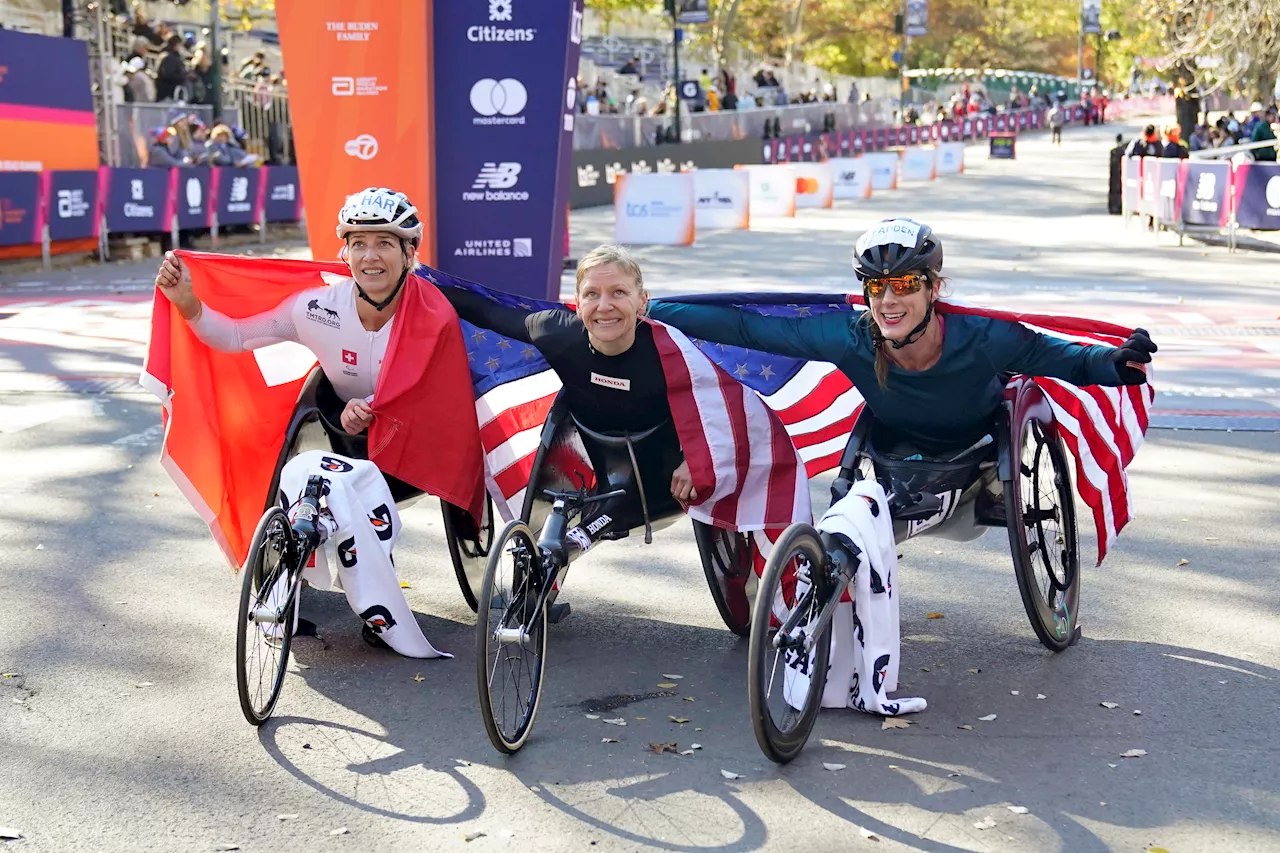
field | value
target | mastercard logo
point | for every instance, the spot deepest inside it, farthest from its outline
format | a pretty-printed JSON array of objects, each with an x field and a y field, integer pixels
[{"x": 806, "y": 186}]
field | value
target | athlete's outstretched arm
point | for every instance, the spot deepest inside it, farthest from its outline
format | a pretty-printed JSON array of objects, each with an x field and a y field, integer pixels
[
  {"x": 822, "y": 337},
  {"x": 478, "y": 311}
]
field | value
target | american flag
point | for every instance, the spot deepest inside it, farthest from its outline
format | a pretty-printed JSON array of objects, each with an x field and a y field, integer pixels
[{"x": 745, "y": 469}]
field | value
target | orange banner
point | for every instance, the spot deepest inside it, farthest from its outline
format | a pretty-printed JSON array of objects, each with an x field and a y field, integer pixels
[{"x": 360, "y": 98}]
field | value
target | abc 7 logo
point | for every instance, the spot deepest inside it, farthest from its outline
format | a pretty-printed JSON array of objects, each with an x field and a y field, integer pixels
[{"x": 363, "y": 146}]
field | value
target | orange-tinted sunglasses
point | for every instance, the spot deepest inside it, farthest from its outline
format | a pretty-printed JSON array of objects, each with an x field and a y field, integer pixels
[{"x": 901, "y": 285}]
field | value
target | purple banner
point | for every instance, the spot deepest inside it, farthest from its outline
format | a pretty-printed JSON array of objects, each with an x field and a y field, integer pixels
[
  {"x": 858, "y": 138},
  {"x": 506, "y": 103},
  {"x": 236, "y": 194},
  {"x": 281, "y": 193},
  {"x": 1258, "y": 196},
  {"x": 39, "y": 71},
  {"x": 795, "y": 149},
  {"x": 1204, "y": 192},
  {"x": 881, "y": 136},
  {"x": 19, "y": 208},
  {"x": 1131, "y": 170},
  {"x": 71, "y": 207},
  {"x": 193, "y": 199},
  {"x": 1167, "y": 190},
  {"x": 137, "y": 200}
]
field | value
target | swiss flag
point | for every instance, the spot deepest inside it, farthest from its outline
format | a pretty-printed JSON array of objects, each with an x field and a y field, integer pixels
[{"x": 348, "y": 357}]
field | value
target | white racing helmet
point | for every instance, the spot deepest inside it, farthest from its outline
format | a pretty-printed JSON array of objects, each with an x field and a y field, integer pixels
[{"x": 380, "y": 209}]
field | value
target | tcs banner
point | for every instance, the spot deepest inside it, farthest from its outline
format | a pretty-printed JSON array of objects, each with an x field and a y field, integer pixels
[{"x": 359, "y": 84}]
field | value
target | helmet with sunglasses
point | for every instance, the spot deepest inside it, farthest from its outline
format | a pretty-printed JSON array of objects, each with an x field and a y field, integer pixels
[
  {"x": 896, "y": 247},
  {"x": 380, "y": 209}
]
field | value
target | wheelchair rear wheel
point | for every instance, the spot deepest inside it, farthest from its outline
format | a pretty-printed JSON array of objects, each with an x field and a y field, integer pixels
[
  {"x": 728, "y": 562},
  {"x": 1040, "y": 510},
  {"x": 511, "y": 638},
  {"x": 470, "y": 555},
  {"x": 785, "y": 684},
  {"x": 262, "y": 648}
]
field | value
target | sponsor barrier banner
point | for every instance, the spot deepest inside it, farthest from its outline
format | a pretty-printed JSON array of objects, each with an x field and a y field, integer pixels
[
  {"x": 1168, "y": 207},
  {"x": 851, "y": 178},
  {"x": 281, "y": 193},
  {"x": 505, "y": 106},
  {"x": 19, "y": 208},
  {"x": 1258, "y": 196},
  {"x": 1147, "y": 198},
  {"x": 950, "y": 158},
  {"x": 1204, "y": 192},
  {"x": 920, "y": 164},
  {"x": 236, "y": 191},
  {"x": 815, "y": 184},
  {"x": 71, "y": 204},
  {"x": 655, "y": 209},
  {"x": 138, "y": 200},
  {"x": 1131, "y": 170},
  {"x": 884, "y": 170},
  {"x": 46, "y": 104},
  {"x": 773, "y": 191},
  {"x": 722, "y": 198},
  {"x": 359, "y": 97},
  {"x": 596, "y": 170},
  {"x": 193, "y": 196}
]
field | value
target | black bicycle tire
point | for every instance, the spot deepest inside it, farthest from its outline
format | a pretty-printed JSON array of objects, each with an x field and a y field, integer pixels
[
  {"x": 779, "y": 746},
  {"x": 469, "y": 594},
  {"x": 248, "y": 587},
  {"x": 704, "y": 535},
  {"x": 496, "y": 737}
]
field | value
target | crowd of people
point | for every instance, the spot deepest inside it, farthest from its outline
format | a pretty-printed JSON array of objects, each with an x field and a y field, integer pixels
[
  {"x": 1226, "y": 131},
  {"x": 189, "y": 142}
]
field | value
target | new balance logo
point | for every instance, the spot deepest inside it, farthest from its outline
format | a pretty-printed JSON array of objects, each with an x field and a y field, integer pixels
[{"x": 497, "y": 176}]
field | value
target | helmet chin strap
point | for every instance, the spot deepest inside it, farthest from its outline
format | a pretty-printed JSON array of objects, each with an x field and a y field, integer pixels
[
  {"x": 916, "y": 333},
  {"x": 395, "y": 290}
]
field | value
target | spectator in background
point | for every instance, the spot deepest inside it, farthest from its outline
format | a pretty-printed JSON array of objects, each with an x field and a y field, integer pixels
[
  {"x": 1199, "y": 138},
  {"x": 631, "y": 66},
  {"x": 198, "y": 152},
  {"x": 200, "y": 76},
  {"x": 1255, "y": 116},
  {"x": 1173, "y": 148},
  {"x": 726, "y": 83},
  {"x": 704, "y": 80},
  {"x": 853, "y": 93},
  {"x": 1146, "y": 145},
  {"x": 222, "y": 149},
  {"x": 139, "y": 87},
  {"x": 172, "y": 71},
  {"x": 1057, "y": 119},
  {"x": 1103, "y": 103},
  {"x": 141, "y": 49},
  {"x": 1262, "y": 132},
  {"x": 254, "y": 67},
  {"x": 143, "y": 29},
  {"x": 729, "y": 101},
  {"x": 164, "y": 151}
]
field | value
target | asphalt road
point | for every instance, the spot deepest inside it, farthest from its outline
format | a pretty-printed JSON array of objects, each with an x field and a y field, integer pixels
[{"x": 120, "y": 729}]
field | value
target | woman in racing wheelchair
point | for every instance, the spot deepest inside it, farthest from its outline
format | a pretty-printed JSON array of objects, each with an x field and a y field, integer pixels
[{"x": 347, "y": 326}]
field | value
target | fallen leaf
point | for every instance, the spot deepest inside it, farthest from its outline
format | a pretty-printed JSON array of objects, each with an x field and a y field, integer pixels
[
  {"x": 697, "y": 730},
  {"x": 286, "y": 817},
  {"x": 967, "y": 728},
  {"x": 974, "y": 671},
  {"x": 144, "y": 684},
  {"x": 988, "y": 718},
  {"x": 342, "y": 830},
  {"x": 122, "y": 602},
  {"x": 1133, "y": 753},
  {"x": 952, "y": 775},
  {"x": 660, "y": 748},
  {"x": 1109, "y": 705},
  {"x": 609, "y": 740},
  {"x": 1013, "y": 693},
  {"x": 462, "y": 762},
  {"x": 729, "y": 774},
  {"x": 21, "y": 701},
  {"x": 1211, "y": 538},
  {"x": 868, "y": 834},
  {"x": 675, "y": 719},
  {"x": 405, "y": 585},
  {"x": 689, "y": 699},
  {"x": 593, "y": 716},
  {"x": 418, "y": 677},
  {"x": 9, "y": 833},
  {"x": 155, "y": 494},
  {"x": 671, "y": 676},
  {"x": 10, "y": 675},
  {"x": 642, "y": 718},
  {"x": 1137, "y": 713},
  {"x": 508, "y": 833},
  {"x": 1156, "y": 850},
  {"x": 686, "y": 752},
  {"x": 986, "y": 823},
  {"x": 1113, "y": 765},
  {"x": 925, "y": 669},
  {"x": 832, "y": 766},
  {"x": 667, "y": 685},
  {"x": 40, "y": 547},
  {"x": 1183, "y": 562},
  {"x": 227, "y": 847},
  {"x": 1017, "y": 809},
  {"x": 1103, "y": 803},
  {"x": 306, "y": 746},
  {"x": 934, "y": 616},
  {"x": 894, "y": 723},
  {"x": 1041, "y": 696},
  {"x": 302, "y": 665},
  {"x": 618, "y": 722},
  {"x": 472, "y": 836},
  {"x": 894, "y": 767},
  {"x": 695, "y": 746}
]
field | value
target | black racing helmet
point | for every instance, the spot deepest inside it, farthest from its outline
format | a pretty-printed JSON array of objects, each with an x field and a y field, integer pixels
[{"x": 896, "y": 247}]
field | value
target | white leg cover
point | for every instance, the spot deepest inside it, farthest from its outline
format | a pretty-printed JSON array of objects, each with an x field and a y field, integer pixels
[{"x": 367, "y": 528}]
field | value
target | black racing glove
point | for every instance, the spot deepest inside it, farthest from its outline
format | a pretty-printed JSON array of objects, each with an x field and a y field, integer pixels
[{"x": 1130, "y": 357}]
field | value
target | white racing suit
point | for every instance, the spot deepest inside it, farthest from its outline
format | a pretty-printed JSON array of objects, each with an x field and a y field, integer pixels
[
  {"x": 865, "y": 643},
  {"x": 367, "y": 526}
]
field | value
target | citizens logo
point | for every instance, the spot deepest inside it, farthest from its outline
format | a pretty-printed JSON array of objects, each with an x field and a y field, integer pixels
[
  {"x": 500, "y": 10},
  {"x": 138, "y": 192},
  {"x": 346, "y": 87},
  {"x": 498, "y": 101},
  {"x": 516, "y": 247},
  {"x": 363, "y": 146},
  {"x": 496, "y": 180}
]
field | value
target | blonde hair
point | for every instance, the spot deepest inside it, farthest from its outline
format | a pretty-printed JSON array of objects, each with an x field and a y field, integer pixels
[{"x": 606, "y": 255}]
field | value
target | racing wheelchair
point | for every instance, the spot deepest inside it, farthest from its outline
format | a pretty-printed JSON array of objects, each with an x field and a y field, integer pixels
[
  {"x": 1016, "y": 477},
  {"x": 594, "y": 478},
  {"x": 263, "y": 644}
]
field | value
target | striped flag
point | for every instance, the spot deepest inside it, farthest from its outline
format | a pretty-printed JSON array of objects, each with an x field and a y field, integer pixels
[
  {"x": 1101, "y": 427},
  {"x": 745, "y": 469}
]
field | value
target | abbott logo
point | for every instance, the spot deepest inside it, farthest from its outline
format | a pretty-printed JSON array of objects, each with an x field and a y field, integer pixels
[
  {"x": 363, "y": 146},
  {"x": 72, "y": 204},
  {"x": 495, "y": 181},
  {"x": 1205, "y": 187},
  {"x": 499, "y": 101},
  {"x": 346, "y": 87}
]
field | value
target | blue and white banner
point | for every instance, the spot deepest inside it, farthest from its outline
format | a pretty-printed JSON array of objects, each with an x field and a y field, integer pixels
[
  {"x": 72, "y": 204},
  {"x": 505, "y": 107},
  {"x": 137, "y": 200}
]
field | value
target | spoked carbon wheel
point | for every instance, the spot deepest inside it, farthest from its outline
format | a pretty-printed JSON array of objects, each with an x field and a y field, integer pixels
[
  {"x": 1042, "y": 534},
  {"x": 262, "y": 648},
  {"x": 785, "y": 683},
  {"x": 728, "y": 562},
  {"x": 511, "y": 639},
  {"x": 469, "y": 548}
]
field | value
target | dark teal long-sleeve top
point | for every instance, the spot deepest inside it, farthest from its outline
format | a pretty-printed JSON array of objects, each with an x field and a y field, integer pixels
[{"x": 945, "y": 408}]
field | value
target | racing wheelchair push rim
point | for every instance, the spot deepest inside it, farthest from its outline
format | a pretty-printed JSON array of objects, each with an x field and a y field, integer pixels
[
  {"x": 784, "y": 599},
  {"x": 1040, "y": 510},
  {"x": 470, "y": 557},
  {"x": 511, "y": 638},
  {"x": 728, "y": 561},
  {"x": 265, "y": 619}
]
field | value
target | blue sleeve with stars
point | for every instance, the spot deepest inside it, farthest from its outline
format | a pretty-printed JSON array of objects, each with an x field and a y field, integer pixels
[
  {"x": 818, "y": 337},
  {"x": 509, "y": 322}
]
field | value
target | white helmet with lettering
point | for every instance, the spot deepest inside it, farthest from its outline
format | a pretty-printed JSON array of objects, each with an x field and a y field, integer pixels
[{"x": 380, "y": 209}]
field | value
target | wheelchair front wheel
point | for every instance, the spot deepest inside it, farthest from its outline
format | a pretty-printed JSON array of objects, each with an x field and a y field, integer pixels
[
  {"x": 511, "y": 638},
  {"x": 262, "y": 648},
  {"x": 728, "y": 562},
  {"x": 785, "y": 684},
  {"x": 1040, "y": 511},
  {"x": 468, "y": 548}
]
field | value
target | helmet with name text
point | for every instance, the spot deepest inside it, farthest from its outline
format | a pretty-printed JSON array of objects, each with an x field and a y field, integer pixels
[
  {"x": 380, "y": 209},
  {"x": 895, "y": 247}
]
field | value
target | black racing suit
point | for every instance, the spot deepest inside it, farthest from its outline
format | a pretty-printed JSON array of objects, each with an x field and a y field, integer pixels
[{"x": 613, "y": 394}]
